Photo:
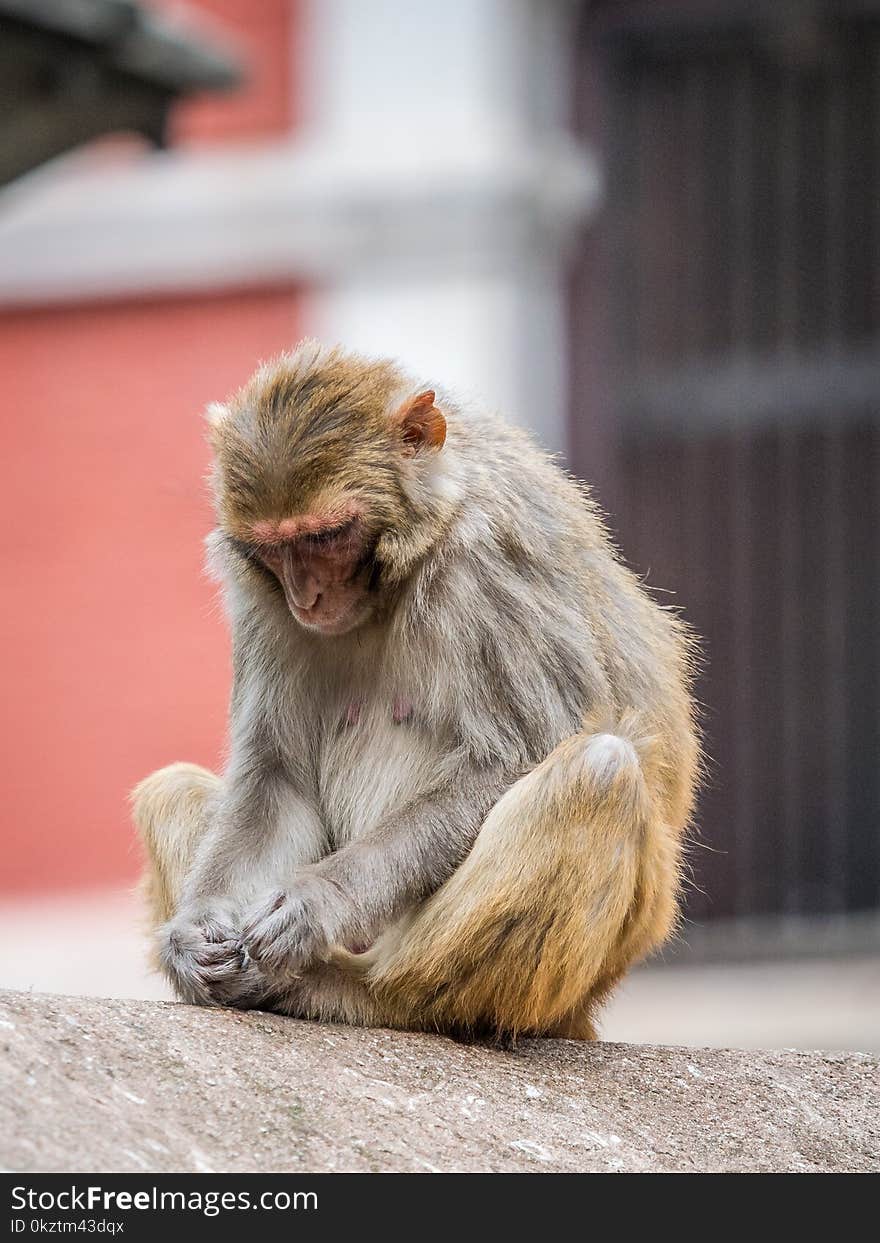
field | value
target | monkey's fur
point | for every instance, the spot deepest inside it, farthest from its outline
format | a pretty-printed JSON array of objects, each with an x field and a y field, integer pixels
[{"x": 466, "y": 811}]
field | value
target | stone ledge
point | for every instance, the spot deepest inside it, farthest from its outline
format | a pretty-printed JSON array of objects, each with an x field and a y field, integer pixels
[{"x": 90, "y": 1085}]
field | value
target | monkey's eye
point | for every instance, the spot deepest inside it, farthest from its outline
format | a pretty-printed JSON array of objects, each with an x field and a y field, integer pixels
[
  {"x": 250, "y": 552},
  {"x": 327, "y": 535},
  {"x": 268, "y": 556}
]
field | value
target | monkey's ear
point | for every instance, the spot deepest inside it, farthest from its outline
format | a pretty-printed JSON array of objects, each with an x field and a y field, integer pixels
[{"x": 421, "y": 424}]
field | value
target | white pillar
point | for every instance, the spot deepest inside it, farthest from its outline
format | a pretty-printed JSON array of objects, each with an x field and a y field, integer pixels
[{"x": 457, "y": 108}]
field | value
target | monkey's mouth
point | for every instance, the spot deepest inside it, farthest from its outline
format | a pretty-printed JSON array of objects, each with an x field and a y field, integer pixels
[{"x": 327, "y": 619}]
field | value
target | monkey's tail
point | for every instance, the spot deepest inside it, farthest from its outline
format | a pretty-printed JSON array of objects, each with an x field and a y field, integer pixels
[{"x": 573, "y": 875}]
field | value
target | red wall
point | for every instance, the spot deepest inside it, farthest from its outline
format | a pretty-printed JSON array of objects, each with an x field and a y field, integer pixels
[
  {"x": 261, "y": 34},
  {"x": 113, "y": 648}
]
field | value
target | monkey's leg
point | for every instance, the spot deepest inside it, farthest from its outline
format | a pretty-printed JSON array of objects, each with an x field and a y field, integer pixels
[
  {"x": 573, "y": 876},
  {"x": 170, "y": 809}
]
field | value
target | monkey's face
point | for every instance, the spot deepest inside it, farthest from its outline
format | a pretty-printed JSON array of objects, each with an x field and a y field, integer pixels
[
  {"x": 317, "y": 465},
  {"x": 323, "y": 564}
]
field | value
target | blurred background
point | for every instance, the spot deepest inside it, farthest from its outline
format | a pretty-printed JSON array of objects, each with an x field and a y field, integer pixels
[{"x": 649, "y": 231}]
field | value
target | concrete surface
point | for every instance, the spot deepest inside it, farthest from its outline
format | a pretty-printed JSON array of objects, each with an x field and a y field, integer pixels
[
  {"x": 822, "y": 1003},
  {"x": 92, "y": 943},
  {"x": 107, "y": 1085}
]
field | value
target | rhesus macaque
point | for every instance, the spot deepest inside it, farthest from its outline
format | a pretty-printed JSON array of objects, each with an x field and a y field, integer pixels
[{"x": 462, "y": 753}]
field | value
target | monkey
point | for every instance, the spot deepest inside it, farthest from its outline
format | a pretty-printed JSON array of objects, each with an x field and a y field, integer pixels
[{"x": 463, "y": 745}]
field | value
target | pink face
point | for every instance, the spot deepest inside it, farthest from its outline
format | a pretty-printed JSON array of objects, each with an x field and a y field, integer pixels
[{"x": 319, "y": 560}]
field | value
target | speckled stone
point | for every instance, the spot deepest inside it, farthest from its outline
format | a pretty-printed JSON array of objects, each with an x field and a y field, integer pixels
[{"x": 89, "y": 1085}]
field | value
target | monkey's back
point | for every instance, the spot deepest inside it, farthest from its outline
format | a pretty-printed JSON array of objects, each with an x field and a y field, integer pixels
[{"x": 531, "y": 620}]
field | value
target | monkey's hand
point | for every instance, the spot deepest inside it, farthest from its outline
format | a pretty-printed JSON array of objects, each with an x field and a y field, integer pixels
[
  {"x": 204, "y": 957},
  {"x": 294, "y": 928}
]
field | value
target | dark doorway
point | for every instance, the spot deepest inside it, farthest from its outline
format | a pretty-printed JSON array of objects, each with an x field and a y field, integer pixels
[{"x": 734, "y": 434}]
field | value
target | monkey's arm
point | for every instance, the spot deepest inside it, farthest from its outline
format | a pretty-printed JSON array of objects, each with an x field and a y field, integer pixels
[
  {"x": 348, "y": 896},
  {"x": 260, "y": 827}
]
